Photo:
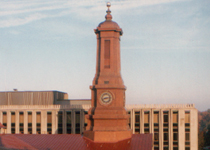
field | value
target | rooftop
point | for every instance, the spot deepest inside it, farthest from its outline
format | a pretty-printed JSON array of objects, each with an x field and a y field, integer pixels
[{"x": 71, "y": 141}]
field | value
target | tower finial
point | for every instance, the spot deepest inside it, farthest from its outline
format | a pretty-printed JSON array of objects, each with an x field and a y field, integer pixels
[{"x": 108, "y": 15}]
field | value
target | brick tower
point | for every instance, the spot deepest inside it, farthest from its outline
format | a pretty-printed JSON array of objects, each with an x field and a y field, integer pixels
[{"x": 107, "y": 118}]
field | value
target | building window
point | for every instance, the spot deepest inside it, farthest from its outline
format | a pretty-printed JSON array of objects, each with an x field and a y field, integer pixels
[
  {"x": 156, "y": 130},
  {"x": 60, "y": 122},
  {"x": 13, "y": 122},
  {"x": 77, "y": 123},
  {"x": 187, "y": 130},
  {"x": 156, "y": 117},
  {"x": 29, "y": 122},
  {"x": 49, "y": 122},
  {"x": 175, "y": 130},
  {"x": 21, "y": 122},
  {"x": 175, "y": 136},
  {"x": 146, "y": 122},
  {"x": 165, "y": 117},
  {"x": 129, "y": 119},
  {"x": 85, "y": 120},
  {"x": 137, "y": 122},
  {"x": 68, "y": 122},
  {"x": 165, "y": 130},
  {"x": 187, "y": 136},
  {"x": 38, "y": 122},
  {"x": 5, "y": 119},
  {"x": 156, "y": 136}
]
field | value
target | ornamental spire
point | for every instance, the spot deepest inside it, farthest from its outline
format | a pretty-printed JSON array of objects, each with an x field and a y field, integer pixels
[{"x": 108, "y": 15}]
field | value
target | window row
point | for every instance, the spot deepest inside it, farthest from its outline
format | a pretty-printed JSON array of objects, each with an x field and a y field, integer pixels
[{"x": 25, "y": 119}]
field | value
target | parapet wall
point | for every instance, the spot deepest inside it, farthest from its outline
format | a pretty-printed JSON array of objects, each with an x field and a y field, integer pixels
[
  {"x": 88, "y": 106},
  {"x": 160, "y": 106}
]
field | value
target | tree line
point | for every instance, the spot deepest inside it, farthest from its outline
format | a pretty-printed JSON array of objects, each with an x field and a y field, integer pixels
[{"x": 204, "y": 129}]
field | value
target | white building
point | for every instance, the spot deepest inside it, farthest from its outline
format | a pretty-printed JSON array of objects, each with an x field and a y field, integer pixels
[{"x": 174, "y": 127}]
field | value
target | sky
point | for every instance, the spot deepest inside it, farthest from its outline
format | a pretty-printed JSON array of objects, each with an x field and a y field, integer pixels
[{"x": 165, "y": 48}]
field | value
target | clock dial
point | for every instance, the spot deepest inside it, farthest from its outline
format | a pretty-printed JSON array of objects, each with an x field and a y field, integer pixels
[{"x": 106, "y": 98}]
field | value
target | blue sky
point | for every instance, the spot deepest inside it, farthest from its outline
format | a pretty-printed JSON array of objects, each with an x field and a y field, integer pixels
[{"x": 165, "y": 48}]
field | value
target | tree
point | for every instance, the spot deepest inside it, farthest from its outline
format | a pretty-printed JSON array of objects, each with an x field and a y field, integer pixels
[
  {"x": 204, "y": 129},
  {"x": 200, "y": 140},
  {"x": 207, "y": 136}
]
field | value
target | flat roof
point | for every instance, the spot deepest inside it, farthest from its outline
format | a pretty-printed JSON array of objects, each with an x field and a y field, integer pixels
[{"x": 30, "y": 91}]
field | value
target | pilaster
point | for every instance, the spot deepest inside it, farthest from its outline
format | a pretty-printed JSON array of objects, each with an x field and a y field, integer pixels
[
  {"x": 73, "y": 122},
  {"x": 161, "y": 129},
  {"x": 181, "y": 127},
  {"x": 33, "y": 122},
  {"x": 133, "y": 120},
  {"x": 151, "y": 121},
  {"x": 142, "y": 121},
  {"x": 193, "y": 129},
  {"x": 64, "y": 122},
  {"x": 54, "y": 122},
  {"x": 170, "y": 129},
  {"x": 1, "y": 120},
  {"x": 43, "y": 122},
  {"x": 9, "y": 122},
  {"x": 25, "y": 122},
  {"x": 17, "y": 124},
  {"x": 82, "y": 121}
]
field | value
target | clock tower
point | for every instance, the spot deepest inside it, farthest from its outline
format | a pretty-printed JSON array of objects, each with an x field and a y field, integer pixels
[{"x": 107, "y": 117}]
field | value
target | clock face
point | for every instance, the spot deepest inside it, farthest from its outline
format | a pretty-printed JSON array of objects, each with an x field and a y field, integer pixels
[{"x": 106, "y": 98}]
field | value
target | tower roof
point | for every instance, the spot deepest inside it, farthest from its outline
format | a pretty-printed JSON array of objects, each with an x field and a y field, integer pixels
[{"x": 108, "y": 24}]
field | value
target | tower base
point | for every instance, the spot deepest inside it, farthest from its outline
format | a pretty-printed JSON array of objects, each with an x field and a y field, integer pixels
[{"x": 107, "y": 136}]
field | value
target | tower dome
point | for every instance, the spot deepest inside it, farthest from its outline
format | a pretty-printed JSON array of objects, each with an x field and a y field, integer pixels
[{"x": 108, "y": 24}]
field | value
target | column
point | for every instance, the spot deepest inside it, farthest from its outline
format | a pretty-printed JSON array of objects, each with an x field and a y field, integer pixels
[
  {"x": 151, "y": 122},
  {"x": 33, "y": 122},
  {"x": 161, "y": 129},
  {"x": 9, "y": 122},
  {"x": 142, "y": 121},
  {"x": 1, "y": 120},
  {"x": 54, "y": 117},
  {"x": 170, "y": 129},
  {"x": 56, "y": 122},
  {"x": 194, "y": 129},
  {"x": 181, "y": 129},
  {"x": 133, "y": 120},
  {"x": 25, "y": 122},
  {"x": 151, "y": 125},
  {"x": 73, "y": 121},
  {"x": 17, "y": 124},
  {"x": 82, "y": 121},
  {"x": 43, "y": 122},
  {"x": 64, "y": 122}
]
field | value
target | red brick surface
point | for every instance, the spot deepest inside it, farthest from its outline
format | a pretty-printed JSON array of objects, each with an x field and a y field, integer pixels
[
  {"x": 72, "y": 142},
  {"x": 1, "y": 125}
]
